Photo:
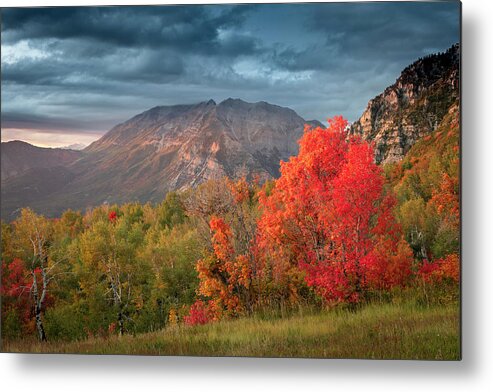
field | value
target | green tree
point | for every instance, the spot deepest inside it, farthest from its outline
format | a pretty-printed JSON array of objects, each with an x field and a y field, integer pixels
[{"x": 110, "y": 269}]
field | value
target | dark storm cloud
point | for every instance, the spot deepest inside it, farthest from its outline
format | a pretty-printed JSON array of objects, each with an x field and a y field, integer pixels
[
  {"x": 83, "y": 69},
  {"x": 120, "y": 43},
  {"x": 48, "y": 124},
  {"x": 152, "y": 66},
  {"x": 376, "y": 29},
  {"x": 359, "y": 33},
  {"x": 180, "y": 27}
]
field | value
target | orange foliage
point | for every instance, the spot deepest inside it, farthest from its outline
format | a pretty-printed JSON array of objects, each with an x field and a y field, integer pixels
[
  {"x": 447, "y": 268},
  {"x": 240, "y": 190},
  {"x": 446, "y": 200},
  {"x": 223, "y": 275}
]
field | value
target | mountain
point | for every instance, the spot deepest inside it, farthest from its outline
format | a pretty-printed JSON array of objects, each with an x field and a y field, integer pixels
[
  {"x": 412, "y": 107},
  {"x": 19, "y": 157},
  {"x": 187, "y": 144},
  {"x": 162, "y": 149}
]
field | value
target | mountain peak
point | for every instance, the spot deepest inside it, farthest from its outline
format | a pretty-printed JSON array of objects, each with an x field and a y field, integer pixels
[
  {"x": 238, "y": 103},
  {"x": 167, "y": 108},
  {"x": 232, "y": 101}
]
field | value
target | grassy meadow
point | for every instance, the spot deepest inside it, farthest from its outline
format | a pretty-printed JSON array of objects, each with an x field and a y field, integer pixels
[{"x": 376, "y": 331}]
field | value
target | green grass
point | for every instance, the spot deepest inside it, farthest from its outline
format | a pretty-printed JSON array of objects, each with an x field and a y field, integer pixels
[{"x": 388, "y": 331}]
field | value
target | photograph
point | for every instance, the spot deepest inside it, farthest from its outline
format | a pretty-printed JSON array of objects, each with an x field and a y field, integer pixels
[{"x": 232, "y": 180}]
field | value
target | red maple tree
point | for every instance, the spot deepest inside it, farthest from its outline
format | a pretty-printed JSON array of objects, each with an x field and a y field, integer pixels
[{"x": 330, "y": 216}]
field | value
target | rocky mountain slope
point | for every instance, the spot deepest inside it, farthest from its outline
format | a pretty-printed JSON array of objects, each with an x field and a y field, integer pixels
[
  {"x": 412, "y": 107},
  {"x": 165, "y": 148},
  {"x": 19, "y": 157}
]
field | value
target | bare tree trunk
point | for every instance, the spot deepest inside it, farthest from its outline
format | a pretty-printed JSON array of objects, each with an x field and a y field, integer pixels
[
  {"x": 121, "y": 327},
  {"x": 39, "y": 266},
  {"x": 39, "y": 324},
  {"x": 37, "y": 308},
  {"x": 358, "y": 269},
  {"x": 118, "y": 302}
]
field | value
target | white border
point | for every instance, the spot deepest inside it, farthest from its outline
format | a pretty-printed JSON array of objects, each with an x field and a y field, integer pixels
[{"x": 473, "y": 373}]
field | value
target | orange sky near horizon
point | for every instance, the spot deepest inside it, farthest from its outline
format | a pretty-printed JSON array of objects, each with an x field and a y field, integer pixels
[{"x": 43, "y": 138}]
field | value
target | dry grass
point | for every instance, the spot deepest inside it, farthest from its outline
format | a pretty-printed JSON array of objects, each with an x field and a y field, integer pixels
[{"x": 384, "y": 331}]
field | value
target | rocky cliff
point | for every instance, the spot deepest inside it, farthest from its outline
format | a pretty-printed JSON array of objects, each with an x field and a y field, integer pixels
[{"x": 412, "y": 107}]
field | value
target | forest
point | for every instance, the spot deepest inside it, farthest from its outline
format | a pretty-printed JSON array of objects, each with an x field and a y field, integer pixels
[{"x": 335, "y": 232}]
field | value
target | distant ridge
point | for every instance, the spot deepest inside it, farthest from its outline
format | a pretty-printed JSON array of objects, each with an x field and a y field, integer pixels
[{"x": 18, "y": 157}]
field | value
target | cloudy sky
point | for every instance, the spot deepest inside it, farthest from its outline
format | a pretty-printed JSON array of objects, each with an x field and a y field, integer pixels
[{"x": 70, "y": 74}]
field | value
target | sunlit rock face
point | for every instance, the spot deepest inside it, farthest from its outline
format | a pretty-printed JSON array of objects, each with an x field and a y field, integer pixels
[
  {"x": 184, "y": 145},
  {"x": 412, "y": 107}
]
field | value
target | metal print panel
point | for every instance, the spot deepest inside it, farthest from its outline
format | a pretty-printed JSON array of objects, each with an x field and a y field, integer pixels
[{"x": 267, "y": 180}]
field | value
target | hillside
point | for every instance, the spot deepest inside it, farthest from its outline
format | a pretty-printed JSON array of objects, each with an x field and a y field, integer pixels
[
  {"x": 427, "y": 185},
  {"x": 19, "y": 157}
]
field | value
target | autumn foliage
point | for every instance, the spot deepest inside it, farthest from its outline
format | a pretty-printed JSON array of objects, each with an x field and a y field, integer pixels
[
  {"x": 334, "y": 228},
  {"x": 15, "y": 291},
  {"x": 439, "y": 270},
  {"x": 330, "y": 216},
  {"x": 223, "y": 276},
  {"x": 112, "y": 216},
  {"x": 427, "y": 186},
  {"x": 200, "y": 313}
]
